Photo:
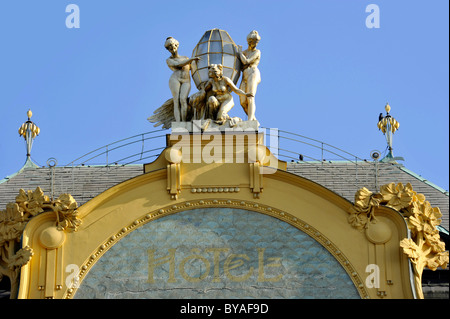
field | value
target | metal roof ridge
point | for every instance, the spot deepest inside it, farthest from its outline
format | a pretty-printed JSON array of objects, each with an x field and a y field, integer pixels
[
  {"x": 333, "y": 161},
  {"x": 445, "y": 192},
  {"x": 28, "y": 164},
  {"x": 100, "y": 166}
]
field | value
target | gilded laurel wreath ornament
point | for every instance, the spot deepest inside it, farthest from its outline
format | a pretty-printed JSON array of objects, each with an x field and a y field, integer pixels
[
  {"x": 424, "y": 248},
  {"x": 14, "y": 219}
]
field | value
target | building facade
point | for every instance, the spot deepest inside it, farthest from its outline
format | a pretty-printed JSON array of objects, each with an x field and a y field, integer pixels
[{"x": 184, "y": 229}]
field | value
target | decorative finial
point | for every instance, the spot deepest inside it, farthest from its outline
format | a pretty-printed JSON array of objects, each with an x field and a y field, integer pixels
[
  {"x": 388, "y": 125},
  {"x": 29, "y": 131}
]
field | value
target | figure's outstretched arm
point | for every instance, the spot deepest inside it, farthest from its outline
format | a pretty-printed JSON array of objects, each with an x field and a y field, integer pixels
[{"x": 235, "y": 89}]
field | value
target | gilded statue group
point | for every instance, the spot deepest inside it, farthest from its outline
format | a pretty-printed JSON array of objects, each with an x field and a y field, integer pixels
[{"x": 213, "y": 101}]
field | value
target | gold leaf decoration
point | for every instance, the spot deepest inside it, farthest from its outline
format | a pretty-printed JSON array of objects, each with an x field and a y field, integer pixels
[
  {"x": 67, "y": 215},
  {"x": 14, "y": 219},
  {"x": 12, "y": 223},
  {"x": 362, "y": 212},
  {"x": 424, "y": 248},
  {"x": 397, "y": 196},
  {"x": 32, "y": 203},
  {"x": 22, "y": 257}
]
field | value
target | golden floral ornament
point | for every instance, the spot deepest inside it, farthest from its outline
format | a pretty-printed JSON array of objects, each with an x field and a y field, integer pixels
[
  {"x": 12, "y": 223},
  {"x": 22, "y": 257},
  {"x": 66, "y": 214},
  {"x": 397, "y": 196},
  {"x": 14, "y": 219},
  {"x": 362, "y": 212},
  {"x": 31, "y": 203},
  {"x": 411, "y": 249},
  {"x": 424, "y": 248}
]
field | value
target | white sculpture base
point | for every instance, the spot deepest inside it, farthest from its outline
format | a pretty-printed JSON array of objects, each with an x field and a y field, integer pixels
[{"x": 211, "y": 126}]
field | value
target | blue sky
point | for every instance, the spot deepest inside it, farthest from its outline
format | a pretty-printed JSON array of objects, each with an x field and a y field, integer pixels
[{"x": 325, "y": 75}]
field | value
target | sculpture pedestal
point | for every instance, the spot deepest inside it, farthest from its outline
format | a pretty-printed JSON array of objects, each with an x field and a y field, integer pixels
[{"x": 211, "y": 126}]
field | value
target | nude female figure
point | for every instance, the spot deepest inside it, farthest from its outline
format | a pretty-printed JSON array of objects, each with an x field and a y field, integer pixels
[
  {"x": 180, "y": 81},
  {"x": 251, "y": 76},
  {"x": 221, "y": 100}
]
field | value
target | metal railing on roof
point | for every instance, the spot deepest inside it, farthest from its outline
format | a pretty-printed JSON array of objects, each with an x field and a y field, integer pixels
[
  {"x": 142, "y": 147},
  {"x": 317, "y": 151},
  {"x": 300, "y": 149},
  {"x": 287, "y": 146},
  {"x": 131, "y": 150}
]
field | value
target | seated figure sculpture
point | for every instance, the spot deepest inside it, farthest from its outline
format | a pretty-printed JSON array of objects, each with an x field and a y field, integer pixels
[{"x": 220, "y": 102}]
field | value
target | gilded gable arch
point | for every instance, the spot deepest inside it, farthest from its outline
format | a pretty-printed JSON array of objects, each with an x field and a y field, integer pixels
[{"x": 292, "y": 203}]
